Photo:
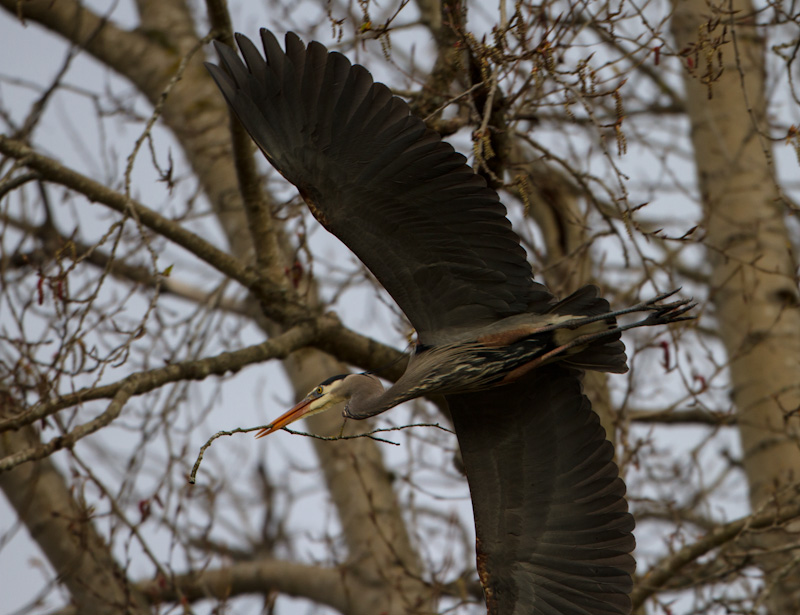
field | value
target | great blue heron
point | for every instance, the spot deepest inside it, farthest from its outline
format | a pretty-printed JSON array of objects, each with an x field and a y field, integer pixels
[{"x": 554, "y": 535}]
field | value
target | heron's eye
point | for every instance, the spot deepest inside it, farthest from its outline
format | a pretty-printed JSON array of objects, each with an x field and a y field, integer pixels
[{"x": 317, "y": 391}]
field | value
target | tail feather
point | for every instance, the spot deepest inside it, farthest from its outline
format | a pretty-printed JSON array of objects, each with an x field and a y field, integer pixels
[
  {"x": 585, "y": 301},
  {"x": 606, "y": 354}
]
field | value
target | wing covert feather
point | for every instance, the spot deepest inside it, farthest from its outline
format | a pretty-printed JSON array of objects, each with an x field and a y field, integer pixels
[
  {"x": 405, "y": 202},
  {"x": 554, "y": 535}
]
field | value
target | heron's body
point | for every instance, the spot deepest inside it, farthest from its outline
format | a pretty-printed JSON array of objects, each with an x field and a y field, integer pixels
[{"x": 553, "y": 531}]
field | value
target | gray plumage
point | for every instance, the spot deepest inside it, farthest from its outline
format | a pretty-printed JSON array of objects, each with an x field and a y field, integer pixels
[{"x": 553, "y": 532}]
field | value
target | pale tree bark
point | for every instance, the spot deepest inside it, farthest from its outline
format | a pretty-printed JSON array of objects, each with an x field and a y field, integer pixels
[
  {"x": 62, "y": 525},
  {"x": 753, "y": 285}
]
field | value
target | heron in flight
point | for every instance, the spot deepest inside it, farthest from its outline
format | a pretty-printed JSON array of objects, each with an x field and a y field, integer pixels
[{"x": 554, "y": 535}]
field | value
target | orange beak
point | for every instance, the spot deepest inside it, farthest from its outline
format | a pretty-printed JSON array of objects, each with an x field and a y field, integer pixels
[{"x": 296, "y": 413}]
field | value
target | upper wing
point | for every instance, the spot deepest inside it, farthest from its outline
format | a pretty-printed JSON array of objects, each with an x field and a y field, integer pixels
[
  {"x": 553, "y": 528},
  {"x": 426, "y": 225}
]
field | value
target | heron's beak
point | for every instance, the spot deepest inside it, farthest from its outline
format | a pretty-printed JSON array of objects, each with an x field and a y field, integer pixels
[{"x": 296, "y": 413}]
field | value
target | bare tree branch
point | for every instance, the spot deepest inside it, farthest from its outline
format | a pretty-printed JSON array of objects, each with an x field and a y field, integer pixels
[
  {"x": 143, "y": 382},
  {"x": 659, "y": 575},
  {"x": 53, "y": 171},
  {"x": 63, "y": 528}
]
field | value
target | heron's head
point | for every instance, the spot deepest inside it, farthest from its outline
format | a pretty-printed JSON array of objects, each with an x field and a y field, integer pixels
[{"x": 325, "y": 395}]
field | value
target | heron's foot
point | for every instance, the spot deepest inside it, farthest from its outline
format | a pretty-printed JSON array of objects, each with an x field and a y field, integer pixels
[
  {"x": 660, "y": 313},
  {"x": 667, "y": 313},
  {"x": 663, "y": 314},
  {"x": 659, "y": 310}
]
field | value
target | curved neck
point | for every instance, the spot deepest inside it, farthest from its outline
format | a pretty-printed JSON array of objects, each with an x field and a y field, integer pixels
[{"x": 369, "y": 398}]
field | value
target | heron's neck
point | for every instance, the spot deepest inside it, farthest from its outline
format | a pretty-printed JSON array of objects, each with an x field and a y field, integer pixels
[{"x": 370, "y": 398}]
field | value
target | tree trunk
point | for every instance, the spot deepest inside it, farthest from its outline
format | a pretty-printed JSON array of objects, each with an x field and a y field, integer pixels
[
  {"x": 753, "y": 284},
  {"x": 62, "y": 526}
]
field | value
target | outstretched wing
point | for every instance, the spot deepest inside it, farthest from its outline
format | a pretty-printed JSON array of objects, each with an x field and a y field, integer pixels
[
  {"x": 552, "y": 524},
  {"x": 405, "y": 202}
]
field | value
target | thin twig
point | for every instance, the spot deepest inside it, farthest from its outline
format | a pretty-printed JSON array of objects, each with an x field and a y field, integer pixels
[{"x": 368, "y": 434}]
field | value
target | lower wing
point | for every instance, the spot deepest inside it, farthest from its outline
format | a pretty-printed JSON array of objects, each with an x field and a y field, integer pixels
[{"x": 554, "y": 535}]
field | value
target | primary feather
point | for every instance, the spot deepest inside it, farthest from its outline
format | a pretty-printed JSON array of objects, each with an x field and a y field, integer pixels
[{"x": 405, "y": 202}]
